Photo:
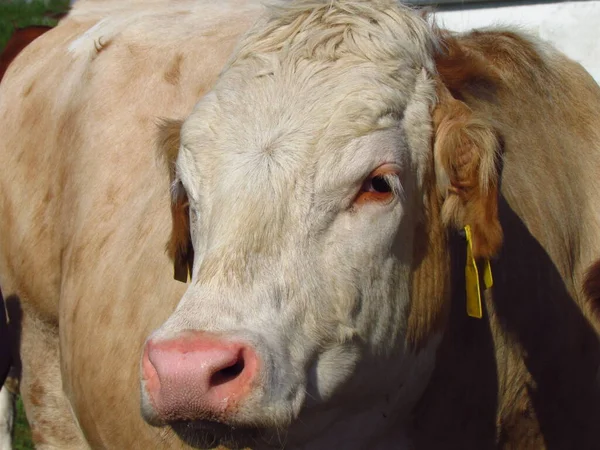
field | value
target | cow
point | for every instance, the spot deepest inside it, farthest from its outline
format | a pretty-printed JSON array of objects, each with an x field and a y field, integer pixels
[{"x": 257, "y": 226}]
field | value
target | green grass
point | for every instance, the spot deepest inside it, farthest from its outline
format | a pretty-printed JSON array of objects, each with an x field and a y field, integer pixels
[
  {"x": 17, "y": 14},
  {"x": 22, "y": 436}
]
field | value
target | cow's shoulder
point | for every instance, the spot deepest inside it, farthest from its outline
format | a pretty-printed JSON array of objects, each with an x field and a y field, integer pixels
[{"x": 81, "y": 104}]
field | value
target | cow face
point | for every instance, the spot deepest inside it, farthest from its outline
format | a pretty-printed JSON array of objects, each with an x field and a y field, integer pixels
[{"x": 319, "y": 268}]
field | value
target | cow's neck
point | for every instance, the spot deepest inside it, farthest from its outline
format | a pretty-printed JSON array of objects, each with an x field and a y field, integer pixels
[
  {"x": 368, "y": 421},
  {"x": 372, "y": 429}
]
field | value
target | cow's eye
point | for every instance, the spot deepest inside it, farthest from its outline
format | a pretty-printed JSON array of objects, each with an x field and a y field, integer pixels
[{"x": 379, "y": 185}]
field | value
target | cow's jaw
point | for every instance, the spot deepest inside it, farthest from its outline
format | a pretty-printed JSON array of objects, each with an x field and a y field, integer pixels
[{"x": 379, "y": 423}]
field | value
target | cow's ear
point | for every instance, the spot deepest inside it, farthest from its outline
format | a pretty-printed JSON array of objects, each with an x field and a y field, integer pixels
[
  {"x": 179, "y": 246},
  {"x": 466, "y": 150},
  {"x": 466, "y": 146}
]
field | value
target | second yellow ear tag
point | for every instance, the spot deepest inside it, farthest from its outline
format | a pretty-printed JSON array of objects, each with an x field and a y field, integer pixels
[
  {"x": 488, "y": 280},
  {"x": 474, "y": 308}
]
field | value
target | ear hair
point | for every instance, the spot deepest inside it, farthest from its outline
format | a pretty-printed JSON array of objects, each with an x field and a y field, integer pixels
[
  {"x": 465, "y": 153},
  {"x": 179, "y": 247}
]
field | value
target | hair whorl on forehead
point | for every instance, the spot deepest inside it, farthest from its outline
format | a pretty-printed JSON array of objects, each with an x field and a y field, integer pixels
[
  {"x": 341, "y": 68},
  {"x": 382, "y": 31}
]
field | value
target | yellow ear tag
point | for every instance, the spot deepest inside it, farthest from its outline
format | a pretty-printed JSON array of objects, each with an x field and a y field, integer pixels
[
  {"x": 488, "y": 280},
  {"x": 474, "y": 308}
]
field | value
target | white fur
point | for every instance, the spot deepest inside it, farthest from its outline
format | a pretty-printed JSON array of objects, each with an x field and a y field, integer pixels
[
  {"x": 7, "y": 415},
  {"x": 315, "y": 99}
]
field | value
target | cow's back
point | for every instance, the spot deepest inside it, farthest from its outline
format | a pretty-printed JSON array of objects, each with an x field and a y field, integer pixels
[{"x": 85, "y": 203}]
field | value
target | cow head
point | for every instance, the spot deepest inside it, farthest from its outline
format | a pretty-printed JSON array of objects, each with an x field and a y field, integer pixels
[{"x": 312, "y": 191}]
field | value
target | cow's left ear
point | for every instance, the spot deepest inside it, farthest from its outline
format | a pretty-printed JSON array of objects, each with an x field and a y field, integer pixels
[
  {"x": 466, "y": 146},
  {"x": 179, "y": 247},
  {"x": 466, "y": 150}
]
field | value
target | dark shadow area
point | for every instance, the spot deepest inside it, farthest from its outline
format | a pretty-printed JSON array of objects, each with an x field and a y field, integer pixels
[
  {"x": 534, "y": 338},
  {"x": 458, "y": 409},
  {"x": 561, "y": 348}
]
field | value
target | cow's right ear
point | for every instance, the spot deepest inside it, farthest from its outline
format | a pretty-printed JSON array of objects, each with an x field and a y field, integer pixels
[{"x": 179, "y": 247}]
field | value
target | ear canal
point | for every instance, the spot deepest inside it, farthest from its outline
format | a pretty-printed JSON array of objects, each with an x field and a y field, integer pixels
[
  {"x": 179, "y": 246},
  {"x": 465, "y": 153}
]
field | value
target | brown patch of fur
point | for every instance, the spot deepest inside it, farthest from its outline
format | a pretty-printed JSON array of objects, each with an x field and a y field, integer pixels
[
  {"x": 36, "y": 393},
  {"x": 179, "y": 247},
  {"x": 29, "y": 89},
  {"x": 510, "y": 53},
  {"x": 173, "y": 74},
  {"x": 466, "y": 149},
  {"x": 462, "y": 69},
  {"x": 37, "y": 436},
  {"x": 105, "y": 316}
]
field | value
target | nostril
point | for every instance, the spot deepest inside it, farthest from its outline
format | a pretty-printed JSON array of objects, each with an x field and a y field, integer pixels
[
  {"x": 196, "y": 376},
  {"x": 228, "y": 373}
]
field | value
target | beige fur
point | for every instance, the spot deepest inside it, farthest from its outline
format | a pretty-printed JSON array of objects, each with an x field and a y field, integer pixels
[
  {"x": 45, "y": 241},
  {"x": 510, "y": 146}
]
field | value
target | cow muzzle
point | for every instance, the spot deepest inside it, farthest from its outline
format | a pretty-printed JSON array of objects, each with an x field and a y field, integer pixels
[{"x": 196, "y": 376}]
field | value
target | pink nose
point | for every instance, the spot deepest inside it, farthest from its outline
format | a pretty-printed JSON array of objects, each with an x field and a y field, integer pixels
[{"x": 197, "y": 376}]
